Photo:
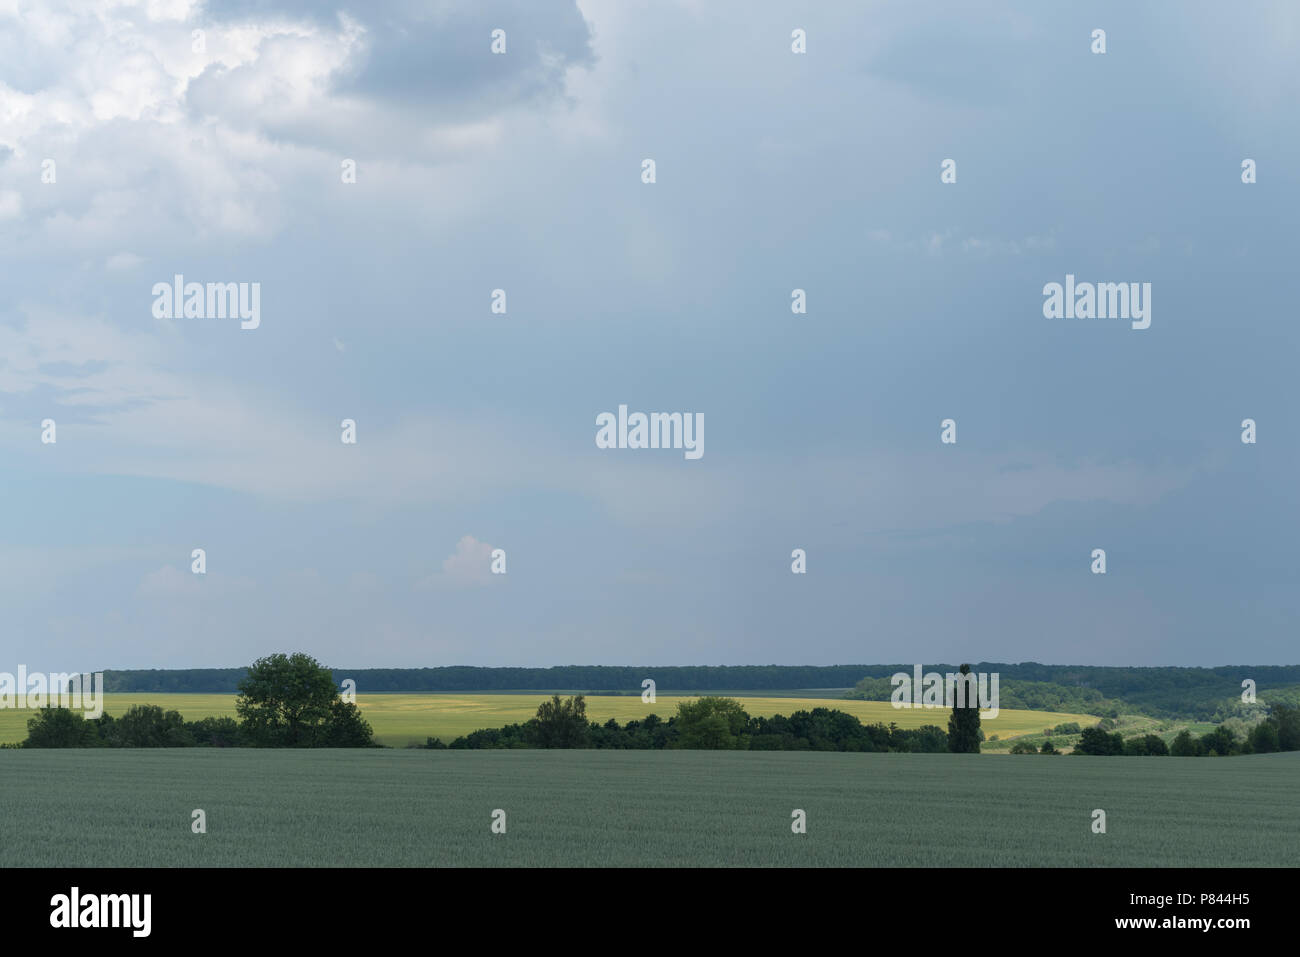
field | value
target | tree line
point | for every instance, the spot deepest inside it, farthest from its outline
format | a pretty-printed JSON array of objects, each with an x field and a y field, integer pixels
[
  {"x": 1016, "y": 694},
  {"x": 586, "y": 678},
  {"x": 711, "y": 723},
  {"x": 1201, "y": 694},
  {"x": 285, "y": 701},
  {"x": 1279, "y": 731},
  {"x": 291, "y": 701},
  {"x": 1197, "y": 693}
]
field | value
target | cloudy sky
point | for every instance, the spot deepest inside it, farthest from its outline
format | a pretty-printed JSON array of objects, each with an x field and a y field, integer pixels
[{"x": 221, "y": 160}]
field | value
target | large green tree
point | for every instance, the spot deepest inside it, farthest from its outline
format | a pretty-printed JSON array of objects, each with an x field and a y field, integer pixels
[
  {"x": 561, "y": 723},
  {"x": 289, "y": 701},
  {"x": 964, "y": 725},
  {"x": 712, "y": 724}
]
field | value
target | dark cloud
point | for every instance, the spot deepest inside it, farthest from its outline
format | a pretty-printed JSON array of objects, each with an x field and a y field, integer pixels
[{"x": 439, "y": 54}]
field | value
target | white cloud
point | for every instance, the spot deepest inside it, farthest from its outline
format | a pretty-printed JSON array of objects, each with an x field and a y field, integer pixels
[
  {"x": 935, "y": 243},
  {"x": 11, "y": 204},
  {"x": 122, "y": 260},
  {"x": 470, "y": 566},
  {"x": 162, "y": 146}
]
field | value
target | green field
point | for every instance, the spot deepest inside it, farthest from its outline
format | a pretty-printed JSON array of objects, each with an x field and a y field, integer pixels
[
  {"x": 1129, "y": 725},
  {"x": 637, "y": 808},
  {"x": 401, "y": 719}
]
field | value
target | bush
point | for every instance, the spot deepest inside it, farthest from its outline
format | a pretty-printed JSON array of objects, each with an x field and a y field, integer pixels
[
  {"x": 1287, "y": 721},
  {"x": 344, "y": 728},
  {"x": 148, "y": 726},
  {"x": 1155, "y": 745},
  {"x": 1218, "y": 743},
  {"x": 1097, "y": 741},
  {"x": 214, "y": 732},
  {"x": 1263, "y": 738},
  {"x": 60, "y": 728}
]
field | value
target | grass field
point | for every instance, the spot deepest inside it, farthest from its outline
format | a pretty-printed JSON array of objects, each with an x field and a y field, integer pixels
[
  {"x": 400, "y": 719},
  {"x": 645, "y": 809}
]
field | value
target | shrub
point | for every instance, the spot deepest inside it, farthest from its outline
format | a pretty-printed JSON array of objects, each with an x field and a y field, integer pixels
[
  {"x": 1097, "y": 741},
  {"x": 1156, "y": 745},
  {"x": 60, "y": 728},
  {"x": 1263, "y": 738}
]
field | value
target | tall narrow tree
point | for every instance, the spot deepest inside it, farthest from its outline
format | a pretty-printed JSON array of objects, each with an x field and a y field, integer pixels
[{"x": 964, "y": 725}]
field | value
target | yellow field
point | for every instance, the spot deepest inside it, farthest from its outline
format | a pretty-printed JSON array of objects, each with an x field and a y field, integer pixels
[{"x": 399, "y": 719}]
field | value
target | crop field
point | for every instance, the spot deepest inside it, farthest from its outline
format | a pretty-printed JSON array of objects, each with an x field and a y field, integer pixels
[
  {"x": 401, "y": 719},
  {"x": 1129, "y": 725},
  {"x": 646, "y": 809}
]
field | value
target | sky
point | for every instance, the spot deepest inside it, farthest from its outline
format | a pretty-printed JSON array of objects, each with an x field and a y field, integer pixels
[{"x": 221, "y": 156}]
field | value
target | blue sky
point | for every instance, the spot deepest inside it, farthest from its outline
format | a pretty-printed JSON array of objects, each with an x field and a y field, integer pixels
[{"x": 775, "y": 171}]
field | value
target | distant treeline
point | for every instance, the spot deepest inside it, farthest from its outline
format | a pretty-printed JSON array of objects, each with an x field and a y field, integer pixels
[
  {"x": 1202, "y": 694},
  {"x": 1020, "y": 695},
  {"x": 1014, "y": 694},
  {"x": 1198, "y": 693},
  {"x": 624, "y": 679}
]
